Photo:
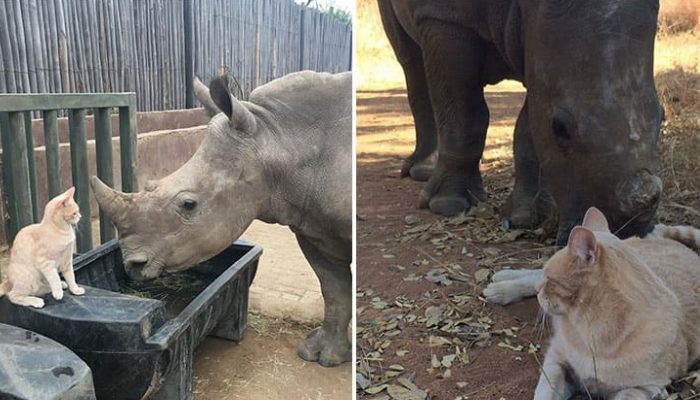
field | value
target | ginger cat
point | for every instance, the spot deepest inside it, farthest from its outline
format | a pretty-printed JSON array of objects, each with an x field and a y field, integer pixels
[
  {"x": 40, "y": 251},
  {"x": 626, "y": 313}
]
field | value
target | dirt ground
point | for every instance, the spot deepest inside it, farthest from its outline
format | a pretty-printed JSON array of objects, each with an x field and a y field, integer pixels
[
  {"x": 423, "y": 329},
  {"x": 287, "y": 304},
  {"x": 399, "y": 248},
  {"x": 265, "y": 366}
]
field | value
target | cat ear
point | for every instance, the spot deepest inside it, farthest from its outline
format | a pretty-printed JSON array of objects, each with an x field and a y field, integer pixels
[
  {"x": 595, "y": 220},
  {"x": 67, "y": 195},
  {"x": 582, "y": 244}
]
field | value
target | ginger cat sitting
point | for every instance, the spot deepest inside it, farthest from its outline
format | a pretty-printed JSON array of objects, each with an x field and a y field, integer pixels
[
  {"x": 626, "y": 313},
  {"x": 40, "y": 251}
]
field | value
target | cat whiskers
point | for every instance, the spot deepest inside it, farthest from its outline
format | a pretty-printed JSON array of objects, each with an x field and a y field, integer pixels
[
  {"x": 541, "y": 326},
  {"x": 629, "y": 221}
]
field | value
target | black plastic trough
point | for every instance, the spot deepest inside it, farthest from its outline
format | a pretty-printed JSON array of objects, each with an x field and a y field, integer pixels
[
  {"x": 35, "y": 367},
  {"x": 137, "y": 345}
]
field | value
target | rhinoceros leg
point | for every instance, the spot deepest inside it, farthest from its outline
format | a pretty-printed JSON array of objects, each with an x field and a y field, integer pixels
[
  {"x": 329, "y": 344},
  {"x": 453, "y": 66},
  {"x": 529, "y": 203},
  {"x": 420, "y": 164}
]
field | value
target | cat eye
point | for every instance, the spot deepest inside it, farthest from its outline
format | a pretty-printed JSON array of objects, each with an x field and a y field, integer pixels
[{"x": 189, "y": 204}]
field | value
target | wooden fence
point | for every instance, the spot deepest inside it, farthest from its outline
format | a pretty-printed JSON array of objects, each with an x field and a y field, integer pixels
[
  {"x": 154, "y": 47},
  {"x": 19, "y": 177}
]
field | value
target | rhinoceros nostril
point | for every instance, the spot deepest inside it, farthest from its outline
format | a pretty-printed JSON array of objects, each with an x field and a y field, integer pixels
[{"x": 136, "y": 262}]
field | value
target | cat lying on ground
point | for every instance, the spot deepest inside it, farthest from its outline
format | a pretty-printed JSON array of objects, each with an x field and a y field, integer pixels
[
  {"x": 626, "y": 313},
  {"x": 40, "y": 251}
]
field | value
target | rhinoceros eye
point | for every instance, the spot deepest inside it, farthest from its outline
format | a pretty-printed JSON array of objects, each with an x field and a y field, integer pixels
[
  {"x": 188, "y": 204},
  {"x": 563, "y": 125},
  {"x": 559, "y": 129}
]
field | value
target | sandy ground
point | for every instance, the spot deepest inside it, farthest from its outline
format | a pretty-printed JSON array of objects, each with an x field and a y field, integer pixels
[
  {"x": 264, "y": 365},
  {"x": 285, "y": 286}
]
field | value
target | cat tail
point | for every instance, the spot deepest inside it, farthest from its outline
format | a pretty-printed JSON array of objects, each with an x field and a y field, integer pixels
[{"x": 687, "y": 235}]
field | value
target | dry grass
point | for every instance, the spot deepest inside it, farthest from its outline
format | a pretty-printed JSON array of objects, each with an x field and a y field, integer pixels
[
  {"x": 679, "y": 90},
  {"x": 274, "y": 328},
  {"x": 678, "y": 16}
]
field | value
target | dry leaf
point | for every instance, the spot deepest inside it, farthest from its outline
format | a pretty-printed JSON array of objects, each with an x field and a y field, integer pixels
[
  {"x": 376, "y": 389},
  {"x": 434, "y": 362},
  {"x": 482, "y": 275},
  {"x": 448, "y": 360},
  {"x": 401, "y": 393}
]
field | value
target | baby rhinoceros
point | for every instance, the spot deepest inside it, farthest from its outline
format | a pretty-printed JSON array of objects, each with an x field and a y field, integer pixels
[{"x": 284, "y": 156}]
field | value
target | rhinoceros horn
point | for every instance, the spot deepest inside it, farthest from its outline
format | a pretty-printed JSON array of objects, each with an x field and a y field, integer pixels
[{"x": 112, "y": 202}]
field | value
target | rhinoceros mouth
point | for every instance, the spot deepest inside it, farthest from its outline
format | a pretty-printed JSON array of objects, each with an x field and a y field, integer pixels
[
  {"x": 638, "y": 225},
  {"x": 142, "y": 269}
]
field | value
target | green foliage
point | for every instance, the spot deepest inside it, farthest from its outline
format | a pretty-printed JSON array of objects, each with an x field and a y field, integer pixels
[{"x": 341, "y": 15}]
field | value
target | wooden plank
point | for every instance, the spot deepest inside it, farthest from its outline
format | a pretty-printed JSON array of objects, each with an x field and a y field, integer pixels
[
  {"x": 81, "y": 179},
  {"x": 66, "y": 82},
  {"x": 7, "y": 49},
  {"x": 25, "y": 29},
  {"x": 17, "y": 187},
  {"x": 43, "y": 102},
  {"x": 11, "y": 223},
  {"x": 18, "y": 25},
  {"x": 103, "y": 154},
  {"x": 53, "y": 157},
  {"x": 40, "y": 66},
  {"x": 3, "y": 70},
  {"x": 127, "y": 143},
  {"x": 302, "y": 35},
  {"x": 31, "y": 164}
]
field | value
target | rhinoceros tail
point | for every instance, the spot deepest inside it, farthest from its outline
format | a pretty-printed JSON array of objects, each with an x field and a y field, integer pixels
[{"x": 686, "y": 235}]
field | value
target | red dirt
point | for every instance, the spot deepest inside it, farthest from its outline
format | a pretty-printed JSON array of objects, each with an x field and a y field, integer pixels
[{"x": 385, "y": 129}]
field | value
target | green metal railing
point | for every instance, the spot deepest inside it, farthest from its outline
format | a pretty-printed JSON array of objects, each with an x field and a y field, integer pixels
[{"x": 19, "y": 173}]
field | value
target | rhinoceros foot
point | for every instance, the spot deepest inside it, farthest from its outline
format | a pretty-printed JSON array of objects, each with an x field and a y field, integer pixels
[
  {"x": 451, "y": 193},
  {"x": 519, "y": 214},
  {"x": 419, "y": 168},
  {"x": 326, "y": 348},
  {"x": 529, "y": 211}
]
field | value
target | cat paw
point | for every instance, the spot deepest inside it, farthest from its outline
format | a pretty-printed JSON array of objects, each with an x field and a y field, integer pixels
[
  {"x": 502, "y": 293},
  {"x": 36, "y": 303},
  {"x": 510, "y": 274},
  {"x": 57, "y": 294},
  {"x": 509, "y": 286},
  {"x": 78, "y": 291},
  {"x": 64, "y": 285}
]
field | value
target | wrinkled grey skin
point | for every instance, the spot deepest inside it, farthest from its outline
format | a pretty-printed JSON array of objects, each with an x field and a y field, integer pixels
[
  {"x": 283, "y": 157},
  {"x": 588, "y": 132}
]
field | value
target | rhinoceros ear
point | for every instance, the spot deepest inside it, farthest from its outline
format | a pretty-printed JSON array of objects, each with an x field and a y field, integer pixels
[
  {"x": 201, "y": 92},
  {"x": 241, "y": 118}
]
